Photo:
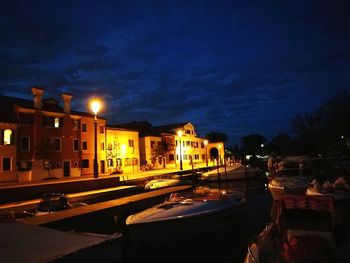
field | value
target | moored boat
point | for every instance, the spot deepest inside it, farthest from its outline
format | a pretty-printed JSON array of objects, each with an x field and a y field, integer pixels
[
  {"x": 339, "y": 189},
  {"x": 283, "y": 185},
  {"x": 166, "y": 182},
  {"x": 185, "y": 216},
  {"x": 305, "y": 229},
  {"x": 231, "y": 172}
]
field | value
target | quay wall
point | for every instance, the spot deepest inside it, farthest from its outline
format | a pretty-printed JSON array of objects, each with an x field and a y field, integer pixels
[{"x": 17, "y": 193}]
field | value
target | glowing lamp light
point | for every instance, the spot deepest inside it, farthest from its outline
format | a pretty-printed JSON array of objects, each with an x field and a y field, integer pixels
[{"x": 95, "y": 106}]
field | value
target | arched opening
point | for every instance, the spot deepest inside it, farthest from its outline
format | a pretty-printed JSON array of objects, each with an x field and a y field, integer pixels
[{"x": 213, "y": 155}]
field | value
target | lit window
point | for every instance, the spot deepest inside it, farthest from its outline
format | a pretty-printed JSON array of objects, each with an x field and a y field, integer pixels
[
  {"x": 131, "y": 143},
  {"x": 7, "y": 137},
  {"x": 57, "y": 122}
]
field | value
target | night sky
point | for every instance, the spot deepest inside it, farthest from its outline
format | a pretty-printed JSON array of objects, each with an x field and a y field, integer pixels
[{"x": 237, "y": 67}]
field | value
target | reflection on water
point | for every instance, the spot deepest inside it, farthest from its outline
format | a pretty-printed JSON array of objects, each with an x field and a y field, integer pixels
[{"x": 228, "y": 246}]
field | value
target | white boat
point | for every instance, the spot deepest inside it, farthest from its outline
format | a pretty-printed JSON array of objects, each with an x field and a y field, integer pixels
[
  {"x": 282, "y": 185},
  {"x": 231, "y": 172},
  {"x": 185, "y": 216},
  {"x": 305, "y": 229},
  {"x": 166, "y": 182},
  {"x": 27, "y": 243},
  {"x": 339, "y": 189}
]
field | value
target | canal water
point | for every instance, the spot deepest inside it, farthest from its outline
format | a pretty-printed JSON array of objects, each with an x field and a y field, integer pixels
[{"x": 227, "y": 246}]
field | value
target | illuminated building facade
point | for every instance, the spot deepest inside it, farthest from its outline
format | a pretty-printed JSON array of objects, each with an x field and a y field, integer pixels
[
  {"x": 122, "y": 150},
  {"x": 42, "y": 139}
]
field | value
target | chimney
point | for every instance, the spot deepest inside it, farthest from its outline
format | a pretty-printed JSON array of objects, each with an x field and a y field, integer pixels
[
  {"x": 37, "y": 97},
  {"x": 66, "y": 99}
]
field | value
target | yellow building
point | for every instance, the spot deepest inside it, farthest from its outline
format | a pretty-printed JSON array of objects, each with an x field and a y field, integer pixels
[
  {"x": 160, "y": 146},
  {"x": 122, "y": 150}
]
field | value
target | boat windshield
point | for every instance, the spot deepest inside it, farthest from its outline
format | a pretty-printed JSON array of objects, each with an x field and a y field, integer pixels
[{"x": 192, "y": 197}]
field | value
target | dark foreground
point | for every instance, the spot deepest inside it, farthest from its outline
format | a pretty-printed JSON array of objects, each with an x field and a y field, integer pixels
[{"x": 230, "y": 245}]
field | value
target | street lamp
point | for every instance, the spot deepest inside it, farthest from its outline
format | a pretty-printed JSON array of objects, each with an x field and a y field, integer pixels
[
  {"x": 95, "y": 106},
  {"x": 219, "y": 159},
  {"x": 206, "y": 151},
  {"x": 179, "y": 134}
]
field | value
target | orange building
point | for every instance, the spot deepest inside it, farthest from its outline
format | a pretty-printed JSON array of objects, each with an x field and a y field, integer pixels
[{"x": 47, "y": 140}]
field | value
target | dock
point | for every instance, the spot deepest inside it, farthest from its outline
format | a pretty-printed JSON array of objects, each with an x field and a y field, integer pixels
[{"x": 101, "y": 207}]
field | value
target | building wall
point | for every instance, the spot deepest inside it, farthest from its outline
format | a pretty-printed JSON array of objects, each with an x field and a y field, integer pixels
[
  {"x": 88, "y": 137},
  {"x": 8, "y": 153},
  {"x": 122, "y": 150}
]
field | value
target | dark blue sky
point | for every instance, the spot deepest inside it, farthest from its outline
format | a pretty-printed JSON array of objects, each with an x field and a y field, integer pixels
[{"x": 237, "y": 67}]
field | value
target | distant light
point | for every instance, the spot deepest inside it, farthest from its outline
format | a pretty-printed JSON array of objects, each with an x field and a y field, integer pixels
[
  {"x": 205, "y": 142},
  {"x": 179, "y": 133},
  {"x": 262, "y": 145}
]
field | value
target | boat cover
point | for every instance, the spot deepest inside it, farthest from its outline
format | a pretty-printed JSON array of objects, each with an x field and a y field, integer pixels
[{"x": 318, "y": 203}]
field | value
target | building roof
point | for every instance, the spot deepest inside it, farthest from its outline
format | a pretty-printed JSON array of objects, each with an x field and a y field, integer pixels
[
  {"x": 9, "y": 104},
  {"x": 146, "y": 129}
]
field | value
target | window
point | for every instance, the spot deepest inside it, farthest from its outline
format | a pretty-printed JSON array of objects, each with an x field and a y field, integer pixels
[
  {"x": 6, "y": 164},
  {"x": 55, "y": 122},
  {"x": 102, "y": 129},
  {"x": 25, "y": 165},
  {"x": 25, "y": 143},
  {"x": 83, "y": 127},
  {"x": 7, "y": 137},
  {"x": 84, "y": 145},
  {"x": 127, "y": 162},
  {"x": 134, "y": 161},
  {"x": 102, "y": 146},
  {"x": 76, "y": 124},
  {"x": 153, "y": 144},
  {"x": 57, "y": 144},
  {"x": 171, "y": 157},
  {"x": 76, "y": 145},
  {"x": 109, "y": 162},
  {"x": 85, "y": 163},
  {"x": 131, "y": 143}
]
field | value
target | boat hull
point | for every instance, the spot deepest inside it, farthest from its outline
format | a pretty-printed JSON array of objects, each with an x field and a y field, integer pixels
[
  {"x": 231, "y": 173},
  {"x": 182, "y": 228}
]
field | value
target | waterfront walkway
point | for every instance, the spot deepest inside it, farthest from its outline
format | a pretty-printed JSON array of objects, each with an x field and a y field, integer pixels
[{"x": 124, "y": 177}]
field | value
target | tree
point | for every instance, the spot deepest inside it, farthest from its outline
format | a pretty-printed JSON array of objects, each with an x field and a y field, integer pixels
[
  {"x": 324, "y": 130},
  {"x": 251, "y": 144}
]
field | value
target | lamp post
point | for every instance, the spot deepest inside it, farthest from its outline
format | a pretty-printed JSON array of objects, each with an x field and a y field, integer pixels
[
  {"x": 219, "y": 157},
  {"x": 206, "y": 151},
  {"x": 179, "y": 134},
  {"x": 95, "y": 106}
]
